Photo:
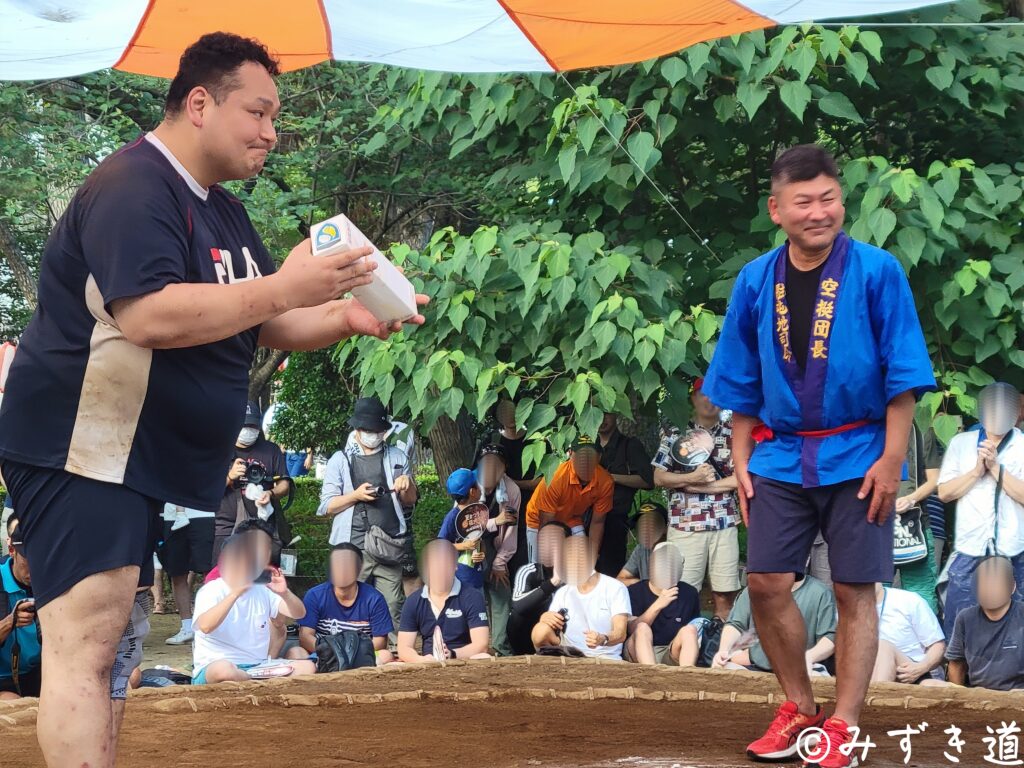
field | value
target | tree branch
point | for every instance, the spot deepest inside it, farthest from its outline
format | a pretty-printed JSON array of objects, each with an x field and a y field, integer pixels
[{"x": 23, "y": 276}]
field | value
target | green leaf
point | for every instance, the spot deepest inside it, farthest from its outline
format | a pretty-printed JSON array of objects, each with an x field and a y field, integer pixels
[
  {"x": 673, "y": 69},
  {"x": 882, "y": 222},
  {"x": 803, "y": 59},
  {"x": 563, "y": 291},
  {"x": 830, "y": 44},
  {"x": 451, "y": 402},
  {"x": 458, "y": 315},
  {"x": 567, "y": 162},
  {"x": 698, "y": 55},
  {"x": 707, "y": 326},
  {"x": 640, "y": 146},
  {"x": 839, "y": 105},
  {"x": 586, "y": 131},
  {"x": 644, "y": 352},
  {"x": 751, "y": 96},
  {"x": 376, "y": 141},
  {"x": 523, "y": 410},
  {"x": 945, "y": 427},
  {"x": 604, "y": 334},
  {"x": 933, "y": 212},
  {"x": 578, "y": 394},
  {"x": 543, "y": 414},
  {"x": 872, "y": 43},
  {"x": 911, "y": 241},
  {"x": 996, "y": 297},
  {"x": 940, "y": 77},
  {"x": 967, "y": 280},
  {"x": 484, "y": 240},
  {"x": 796, "y": 96}
]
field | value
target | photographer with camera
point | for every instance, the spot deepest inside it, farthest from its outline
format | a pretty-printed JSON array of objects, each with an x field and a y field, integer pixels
[
  {"x": 703, "y": 513},
  {"x": 20, "y": 640},
  {"x": 369, "y": 491},
  {"x": 256, "y": 481}
]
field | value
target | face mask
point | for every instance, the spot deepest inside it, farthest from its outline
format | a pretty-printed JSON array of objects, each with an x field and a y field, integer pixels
[
  {"x": 371, "y": 440},
  {"x": 248, "y": 436}
]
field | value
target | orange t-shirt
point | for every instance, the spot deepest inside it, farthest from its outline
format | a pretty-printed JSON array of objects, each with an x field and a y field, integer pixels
[{"x": 566, "y": 500}]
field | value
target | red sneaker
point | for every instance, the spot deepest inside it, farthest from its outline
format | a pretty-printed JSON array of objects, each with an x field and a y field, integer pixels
[
  {"x": 827, "y": 753},
  {"x": 780, "y": 741}
]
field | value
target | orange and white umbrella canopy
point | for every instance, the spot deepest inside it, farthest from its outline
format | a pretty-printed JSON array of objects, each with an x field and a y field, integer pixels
[{"x": 42, "y": 39}]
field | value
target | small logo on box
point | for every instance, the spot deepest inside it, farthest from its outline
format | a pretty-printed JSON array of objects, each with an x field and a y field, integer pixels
[{"x": 328, "y": 235}]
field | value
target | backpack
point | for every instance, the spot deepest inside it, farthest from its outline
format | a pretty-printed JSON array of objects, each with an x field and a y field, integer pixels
[
  {"x": 346, "y": 650},
  {"x": 709, "y": 644}
]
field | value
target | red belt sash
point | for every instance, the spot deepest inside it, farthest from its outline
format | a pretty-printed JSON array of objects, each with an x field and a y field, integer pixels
[{"x": 763, "y": 433}]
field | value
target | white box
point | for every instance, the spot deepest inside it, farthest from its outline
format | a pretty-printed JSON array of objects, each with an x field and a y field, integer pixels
[{"x": 390, "y": 296}]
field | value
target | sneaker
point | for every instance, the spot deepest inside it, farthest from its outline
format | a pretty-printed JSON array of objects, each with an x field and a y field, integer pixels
[
  {"x": 827, "y": 753},
  {"x": 184, "y": 637},
  {"x": 780, "y": 742}
]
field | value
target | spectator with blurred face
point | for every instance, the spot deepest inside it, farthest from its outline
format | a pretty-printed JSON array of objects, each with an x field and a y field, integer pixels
[
  {"x": 20, "y": 638},
  {"x": 817, "y": 606},
  {"x": 449, "y": 617},
  {"x": 650, "y": 531},
  {"x": 503, "y": 499},
  {"x": 512, "y": 441},
  {"x": 375, "y": 522},
  {"x": 234, "y": 614},
  {"x": 983, "y": 471},
  {"x": 536, "y": 583},
  {"x": 987, "y": 646},
  {"x": 910, "y": 641},
  {"x": 596, "y": 607},
  {"x": 703, "y": 511},
  {"x": 462, "y": 486},
  {"x": 580, "y": 493},
  {"x": 344, "y": 604},
  {"x": 629, "y": 464},
  {"x": 663, "y": 609}
]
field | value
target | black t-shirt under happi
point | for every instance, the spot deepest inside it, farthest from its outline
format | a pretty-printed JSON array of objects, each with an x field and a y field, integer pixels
[
  {"x": 80, "y": 397},
  {"x": 801, "y": 295}
]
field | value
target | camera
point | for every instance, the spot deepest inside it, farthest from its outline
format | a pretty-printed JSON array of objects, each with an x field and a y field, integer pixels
[
  {"x": 255, "y": 472},
  {"x": 380, "y": 490},
  {"x": 564, "y": 613}
]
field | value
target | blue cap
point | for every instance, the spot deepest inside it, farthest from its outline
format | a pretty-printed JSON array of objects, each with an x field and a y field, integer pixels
[{"x": 461, "y": 482}]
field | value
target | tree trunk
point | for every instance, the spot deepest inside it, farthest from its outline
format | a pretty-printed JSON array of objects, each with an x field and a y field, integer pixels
[
  {"x": 452, "y": 443},
  {"x": 263, "y": 368},
  {"x": 23, "y": 276}
]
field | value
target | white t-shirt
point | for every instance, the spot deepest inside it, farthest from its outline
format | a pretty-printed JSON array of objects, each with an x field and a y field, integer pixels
[
  {"x": 975, "y": 516},
  {"x": 908, "y": 623},
  {"x": 244, "y": 635},
  {"x": 593, "y": 612}
]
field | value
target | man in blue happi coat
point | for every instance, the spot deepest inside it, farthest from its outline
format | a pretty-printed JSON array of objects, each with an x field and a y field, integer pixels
[{"x": 821, "y": 360}]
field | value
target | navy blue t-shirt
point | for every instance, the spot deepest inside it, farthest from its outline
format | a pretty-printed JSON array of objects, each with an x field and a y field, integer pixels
[
  {"x": 368, "y": 615},
  {"x": 673, "y": 617},
  {"x": 464, "y": 610},
  {"x": 79, "y": 396}
]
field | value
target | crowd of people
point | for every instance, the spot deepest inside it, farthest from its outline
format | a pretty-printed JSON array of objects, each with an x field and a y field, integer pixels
[{"x": 604, "y": 574}]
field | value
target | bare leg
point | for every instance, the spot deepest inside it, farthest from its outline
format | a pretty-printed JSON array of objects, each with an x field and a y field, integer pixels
[
  {"x": 182, "y": 596},
  {"x": 385, "y": 657},
  {"x": 304, "y": 667},
  {"x": 221, "y": 671},
  {"x": 685, "y": 648},
  {"x": 158, "y": 591},
  {"x": 783, "y": 635},
  {"x": 82, "y": 628},
  {"x": 885, "y": 663},
  {"x": 856, "y": 647},
  {"x": 278, "y": 637},
  {"x": 723, "y": 604},
  {"x": 641, "y": 644},
  {"x": 297, "y": 654}
]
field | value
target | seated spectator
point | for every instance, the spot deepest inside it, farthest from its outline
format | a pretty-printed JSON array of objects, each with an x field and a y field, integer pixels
[
  {"x": 234, "y": 614},
  {"x": 817, "y": 606},
  {"x": 987, "y": 647},
  {"x": 344, "y": 604},
  {"x": 596, "y": 607},
  {"x": 536, "y": 584},
  {"x": 462, "y": 486},
  {"x": 187, "y": 547},
  {"x": 581, "y": 490},
  {"x": 910, "y": 639},
  {"x": 664, "y": 608},
  {"x": 448, "y": 616},
  {"x": 20, "y": 639},
  {"x": 651, "y": 526}
]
